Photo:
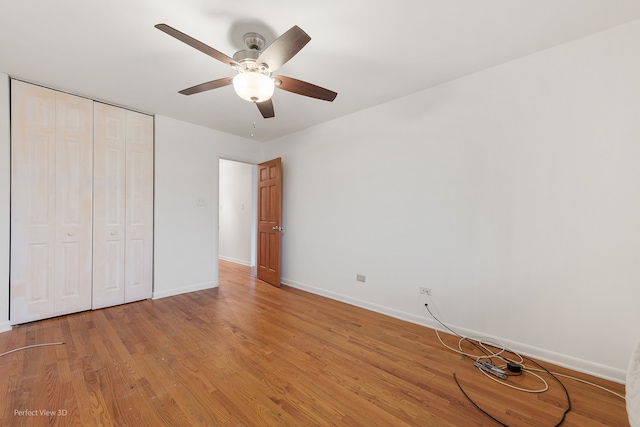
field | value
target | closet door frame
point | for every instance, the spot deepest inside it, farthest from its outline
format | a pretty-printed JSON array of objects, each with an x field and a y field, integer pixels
[{"x": 81, "y": 204}]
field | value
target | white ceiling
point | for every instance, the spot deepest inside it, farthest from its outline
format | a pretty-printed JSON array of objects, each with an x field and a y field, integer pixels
[{"x": 370, "y": 52}]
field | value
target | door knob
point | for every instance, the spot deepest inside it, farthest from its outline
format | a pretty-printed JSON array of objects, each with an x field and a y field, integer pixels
[{"x": 277, "y": 228}]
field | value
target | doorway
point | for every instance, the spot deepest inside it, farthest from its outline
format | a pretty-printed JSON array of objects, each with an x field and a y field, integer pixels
[{"x": 238, "y": 215}]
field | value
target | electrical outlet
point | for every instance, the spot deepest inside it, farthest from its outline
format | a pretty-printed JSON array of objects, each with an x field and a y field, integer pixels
[
  {"x": 360, "y": 278},
  {"x": 425, "y": 291},
  {"x": 201, "y": 201}
]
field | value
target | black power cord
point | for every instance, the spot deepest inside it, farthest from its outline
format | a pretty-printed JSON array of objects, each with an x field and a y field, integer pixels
[
  {"x": 475, "y": 404},
  {"x": 566, "y": 392}
]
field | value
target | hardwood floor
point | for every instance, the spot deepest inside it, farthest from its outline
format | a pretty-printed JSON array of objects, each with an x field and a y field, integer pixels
[{"x": 250, "y": 354}]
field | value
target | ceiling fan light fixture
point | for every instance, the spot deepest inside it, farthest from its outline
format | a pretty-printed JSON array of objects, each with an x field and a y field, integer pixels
[
  {"x": 253, "y": 86},
  {"x": 255, "y": 66}
]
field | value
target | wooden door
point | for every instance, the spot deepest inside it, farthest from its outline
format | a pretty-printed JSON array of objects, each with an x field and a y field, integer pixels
[
  {"x": 109, "y": 205},
  {"x": 139, "y": 207},
  {"x": 50, "y": 203},
  {"x": 269, "y": 220}
]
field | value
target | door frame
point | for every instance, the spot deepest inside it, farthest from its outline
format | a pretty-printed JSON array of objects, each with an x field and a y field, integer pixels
[{"x": 254, "y": 209}]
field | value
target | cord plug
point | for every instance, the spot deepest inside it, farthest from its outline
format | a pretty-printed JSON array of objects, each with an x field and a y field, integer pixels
[{"x": 514, "y": 367}]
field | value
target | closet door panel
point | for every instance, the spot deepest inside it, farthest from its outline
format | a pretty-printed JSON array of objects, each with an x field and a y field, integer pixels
[
  {"x": 33, "y": 185},
  {"x": 109, "y": 205},
  {"x": 74, "y": 175},
  {"x": 139, "y": 207}
]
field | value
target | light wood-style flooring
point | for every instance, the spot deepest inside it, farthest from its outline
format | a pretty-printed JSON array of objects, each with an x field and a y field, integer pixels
[{"x": 249, "y": 354}]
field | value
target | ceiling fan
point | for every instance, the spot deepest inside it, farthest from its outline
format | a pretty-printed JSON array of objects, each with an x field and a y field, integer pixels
[{"x": 255, "y": 65}]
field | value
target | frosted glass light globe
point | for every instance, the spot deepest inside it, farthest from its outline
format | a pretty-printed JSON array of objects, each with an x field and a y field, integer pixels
[{"x": 253, "y": 86}]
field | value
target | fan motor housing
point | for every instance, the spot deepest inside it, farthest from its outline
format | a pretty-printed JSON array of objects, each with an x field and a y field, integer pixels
[
  {"x": 247, "y": 54},
  {"x": 255, "y": 44}
]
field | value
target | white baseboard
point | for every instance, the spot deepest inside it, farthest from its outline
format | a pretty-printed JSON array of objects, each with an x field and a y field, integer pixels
[
  {"x": 570, "y": 362},
  {"x": 178, "y": 291},
  {"x": 5, "y": 326},
  {"x": 237, "y": 261}
]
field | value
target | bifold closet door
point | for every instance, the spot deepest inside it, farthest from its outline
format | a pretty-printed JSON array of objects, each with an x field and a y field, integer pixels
[
  {"x": 109, "y": 146},
  {"x": 51, "y": 175},
  {"x": 123, "y": 206},
  {"x": 139, "y": 208}
]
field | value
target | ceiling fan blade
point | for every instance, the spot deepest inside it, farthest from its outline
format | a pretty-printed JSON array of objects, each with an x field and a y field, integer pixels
[
  {"x": 266, "y": 108},
  {"x": 197, "y": 44},
  {"x": 214, "y": 84},
  {"x": 303, "y": 88},
  {"x": 283, "y": 48}
]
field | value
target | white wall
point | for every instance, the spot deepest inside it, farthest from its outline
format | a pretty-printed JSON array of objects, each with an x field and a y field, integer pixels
[
  {"x": 5, "y": 186},
  {"x": 185, "y": 235},
  {"x": 513, "y": 193},
  {"x": 238, "y": 186}
]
